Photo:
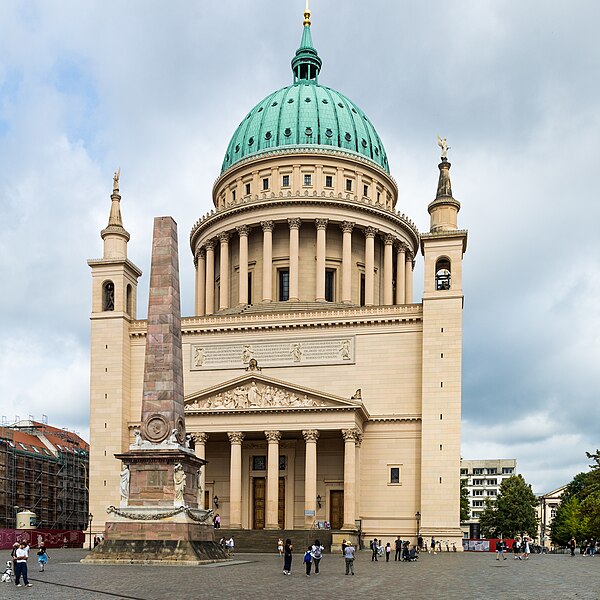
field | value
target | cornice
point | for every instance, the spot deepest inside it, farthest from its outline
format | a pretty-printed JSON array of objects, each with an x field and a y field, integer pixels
[
  {"x": 362, "y": 316},
  {"x": 461, "y": 234},
  {"x": 397, "y": 219},
  {"x": 118, "y": 262}
]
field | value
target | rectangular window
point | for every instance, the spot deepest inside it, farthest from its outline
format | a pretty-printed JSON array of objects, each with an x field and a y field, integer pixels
[
  {"x": 249, "y": 288},
  {"x": 307, "y": 179},
  {"x": 284, "y": 284},
  {"x": 378, "y": 196},
  {"x": 282, "y": 462},
  {"x": 477, "y": 471},
  {"x": 464, "y": 471},
  {"x": 247, "y": 189},
  {"x": 394, "y": 475},
  {"x": 477, "y": 502},
  {"x": 259, "y": 463},
  {"x": 348, "y": 185},
  {"x": 233, "y": 195},
  {"x": 285, "y": 182},
  {"x": 507, "y": 470},
  {"x": 362, "y": 292},
  {"x": 329, "y": 285},
  {"x": 477, "y": 492},
  {"x": 492, "y": 471},
  {"x": 365, "y": 190},
  {"x": 477, "y": 481},
  {"x": 265, "y": 184},
  {"x": 492, "y": 482},
  {"x": 492, "y": 492},
  {"x": 328, "y": 181}
]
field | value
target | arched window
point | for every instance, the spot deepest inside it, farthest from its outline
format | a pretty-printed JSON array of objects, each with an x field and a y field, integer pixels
[
  {"x": 442, "y": 274},
  {"x": 129, "y": 303},
  {"x": 108, "y": 296}
]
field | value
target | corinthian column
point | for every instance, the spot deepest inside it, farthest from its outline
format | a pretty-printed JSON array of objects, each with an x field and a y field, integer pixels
[
  {"x": 235, "y": 480},
  {"x": 200, "y": 440},
  {"x": 272, "y": 520},
  {"x": 370, "y": 265},
  {"x": 400, "y": 274},
  {"x": 347, "y": 227},
  {"x": 243, "y": 231},
  {"x": 310, "y": 477},
  {"x": 267, "y": 227},
  {"x": 409, "y": 277},
  {"x": 294, "y": 253},
  {"x": 200, "y": 282},
  {"x": 350, "y": 436},
  {"x": 210, "y": 277},
  {"x": 388, "y": 270},
  {"x": 224, "y": 271},
  {"x": 321, "y": 250}
]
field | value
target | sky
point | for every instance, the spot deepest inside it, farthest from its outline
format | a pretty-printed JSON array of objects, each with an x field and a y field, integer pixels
[{"x": 158, "y": 87}]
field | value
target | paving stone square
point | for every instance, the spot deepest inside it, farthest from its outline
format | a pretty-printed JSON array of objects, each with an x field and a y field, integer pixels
[{"x": 258, "y": 576}]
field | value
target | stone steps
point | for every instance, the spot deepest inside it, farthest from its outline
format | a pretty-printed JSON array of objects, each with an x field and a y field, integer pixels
[{"x": 265, "y": 540}]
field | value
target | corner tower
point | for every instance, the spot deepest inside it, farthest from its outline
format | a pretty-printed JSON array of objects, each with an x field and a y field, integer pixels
[
  {"x": 114, "y": 295},
  {"x": 443, "y": 249}
]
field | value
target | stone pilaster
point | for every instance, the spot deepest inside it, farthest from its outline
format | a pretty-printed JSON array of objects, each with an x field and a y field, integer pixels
[
  {"x": 310, "y": 477},
  {"x": 235, "y": 479},
  {"x": 272, "y": 515}
]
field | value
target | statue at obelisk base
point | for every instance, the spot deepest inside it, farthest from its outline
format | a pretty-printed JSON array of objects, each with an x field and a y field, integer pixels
[{"x": 158, "y": 519}]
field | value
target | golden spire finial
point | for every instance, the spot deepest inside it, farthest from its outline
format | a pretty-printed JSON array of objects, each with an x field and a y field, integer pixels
[{"x": 306, "y": 15}]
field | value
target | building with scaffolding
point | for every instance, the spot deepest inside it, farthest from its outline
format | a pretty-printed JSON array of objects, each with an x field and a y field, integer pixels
[{"x": 43, "y": 469}]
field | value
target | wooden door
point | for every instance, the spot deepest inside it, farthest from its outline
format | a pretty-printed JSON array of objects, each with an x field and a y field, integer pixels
[
  {"x": 281, "y": 506},
  {"x": 258, "y": 494},
  {"x": 207, "y": 500},
  {"x": 336, "y": 508}
]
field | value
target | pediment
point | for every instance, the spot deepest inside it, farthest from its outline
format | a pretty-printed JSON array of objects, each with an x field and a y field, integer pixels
[{"x": 255, "y": 391}]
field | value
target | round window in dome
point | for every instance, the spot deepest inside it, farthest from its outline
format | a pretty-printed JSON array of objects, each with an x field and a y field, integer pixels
[
  {"x": 306, "y": 99},
  {"x": 237, "y": 147},
  {"x": 274, "y": 104},
  {"x": 325, "y": 101},
  {"x": 291, "y": 101},
  {"x": 340, "y": 105},
  {"x": 227, "y": 157},
  {"x": 260, "y": 109},
  {"x": 287, "y": 132},
  {"x": 250, "y": 141},
  {"x": 354, "y": 111},
  {"x": 348, "y": 136},
  {"x": 329, "y": 132},
  {"x": 364, "y": 143},
  {"x": 308, "y": 131},
  {"x": 376, "y": 151},
  {"x": 268, "y": 135}
]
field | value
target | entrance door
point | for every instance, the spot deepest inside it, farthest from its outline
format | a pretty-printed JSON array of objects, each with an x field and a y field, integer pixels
[
  {"x": 207, "y": 500},
  {"x": 336, "y": 508},
  {"x": 281, "y": 507},
  {"x": 258, "y": 494}
]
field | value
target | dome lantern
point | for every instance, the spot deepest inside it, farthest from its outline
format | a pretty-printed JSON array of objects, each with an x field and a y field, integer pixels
[{"x": 306, "y": 64}]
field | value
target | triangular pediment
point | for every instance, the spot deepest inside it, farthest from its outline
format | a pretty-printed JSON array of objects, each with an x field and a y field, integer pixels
[{"x": 255, "y": 391}]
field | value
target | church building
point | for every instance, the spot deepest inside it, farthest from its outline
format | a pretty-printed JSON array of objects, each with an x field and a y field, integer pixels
[{"x": 316, "y": 387}]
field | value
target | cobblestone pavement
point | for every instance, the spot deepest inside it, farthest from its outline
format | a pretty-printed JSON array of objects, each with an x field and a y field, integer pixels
[{"x": 258, "y": 576}]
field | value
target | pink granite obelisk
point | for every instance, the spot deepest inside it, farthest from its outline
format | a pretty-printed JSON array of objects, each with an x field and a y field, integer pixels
[{"x": 158, "y": 518}]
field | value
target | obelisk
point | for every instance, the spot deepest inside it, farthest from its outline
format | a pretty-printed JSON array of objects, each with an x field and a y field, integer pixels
[{"x": 158, "y": 518}]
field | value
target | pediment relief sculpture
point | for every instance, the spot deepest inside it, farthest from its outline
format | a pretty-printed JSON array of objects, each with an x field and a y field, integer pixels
[{"x": 254, "y": 395}]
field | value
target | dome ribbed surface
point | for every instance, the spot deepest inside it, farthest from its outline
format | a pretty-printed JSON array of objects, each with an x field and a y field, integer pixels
[{"x": 305, "y": 114}]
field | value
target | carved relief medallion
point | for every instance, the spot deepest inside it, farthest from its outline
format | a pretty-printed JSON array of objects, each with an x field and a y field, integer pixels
[{"x": 156, "y": 428}]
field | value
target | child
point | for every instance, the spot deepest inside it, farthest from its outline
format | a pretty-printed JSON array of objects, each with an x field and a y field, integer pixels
[
  {"x": 388, "y": 551},
  {"x": 280, "y": 546},
  {"x": 42, "y": 556},
  {"x": 308, "y": 560}
]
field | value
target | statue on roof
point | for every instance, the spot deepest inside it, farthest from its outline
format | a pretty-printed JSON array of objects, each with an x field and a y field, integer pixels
[
  {"x": 443, "y": 144},
  {"x": 116, "y": 176}
]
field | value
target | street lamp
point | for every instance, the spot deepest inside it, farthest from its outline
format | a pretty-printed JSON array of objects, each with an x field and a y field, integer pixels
[
  {"x": 90, "y": 518},
  {"x": 319, "y": 499},
  {"x": 418, "y": 518},
  {"x": 216, "y": 501}
]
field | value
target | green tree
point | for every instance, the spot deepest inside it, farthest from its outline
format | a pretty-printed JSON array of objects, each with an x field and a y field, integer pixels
[
  {"x": 515, "y": 507},
  {"x": 568, "y": 521},
  {"x": 488, "y": 519},
  {"x": 465, "y": 513}
]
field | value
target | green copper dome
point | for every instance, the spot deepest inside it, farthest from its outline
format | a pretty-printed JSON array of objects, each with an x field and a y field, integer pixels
[{"x": 305, "y": 114}]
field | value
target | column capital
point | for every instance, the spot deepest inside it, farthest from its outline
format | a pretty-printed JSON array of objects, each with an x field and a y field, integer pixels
[
  {"x": 294, "y": 223},
  {"x": 199, "y": 254},
  {"x": 200, "y": 438},
  {"x": 371, "y": 232},
  {"x": 359, "y": 439},
  {"x": 267, "y": 225},
  {"x": 273, "y": 436},
  {"x": 224, "y": 237},
  {"x": 210, "y": 244},
  {"x": 235, "y": 437},
  {"x": 310, "y": 435},
  {"x": 347, "y": 226},
  {"x": 388, "y": 239},
  {"x": 321, "y": 223},
  {"x": 409, "y": 255},
  {"x": 401, "y": 247},
  {"x": 243, "y": 230},
  {"x": 350, "y": 435}
]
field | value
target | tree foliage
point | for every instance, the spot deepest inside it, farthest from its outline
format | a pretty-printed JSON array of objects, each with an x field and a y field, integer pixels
[
  {"x": 513, "y": 513},
  {"x": 465, "y": 513}
]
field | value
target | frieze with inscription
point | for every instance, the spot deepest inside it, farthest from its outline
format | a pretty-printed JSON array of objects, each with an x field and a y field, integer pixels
[{"x": 277, "y": 353}]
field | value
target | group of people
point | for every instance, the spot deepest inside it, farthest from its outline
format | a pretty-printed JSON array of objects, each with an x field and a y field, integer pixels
[
  {"x": 521, "y": 548},
  {"x": 227, "y": 545},
  {"x": 587, "y": 548},
  {"x": 313, "y": 555},
  {"x": 20, "y": 556}
]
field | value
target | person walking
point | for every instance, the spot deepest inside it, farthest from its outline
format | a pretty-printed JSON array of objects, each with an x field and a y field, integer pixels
[
  {"x": 500, "y": 549},
  {"x": 13, "y": 554},
  {"x": 344, "y": 544},
  {"x": 572, "y": 545},
  {"x": 42, "y": 555},
  {"x": 526, "y": 548},
  {"x": 287, "y": 557},
  {"x": 280, "y": 546},
  {"x": 388, "y": 551},
  {"x": 308, "y": 560},
  {"x": 432, "y": 546},
  {"x": 349, "y": 558},
  {"x": 22, "y": 554},
  {"x": 316, "y": 553}
]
